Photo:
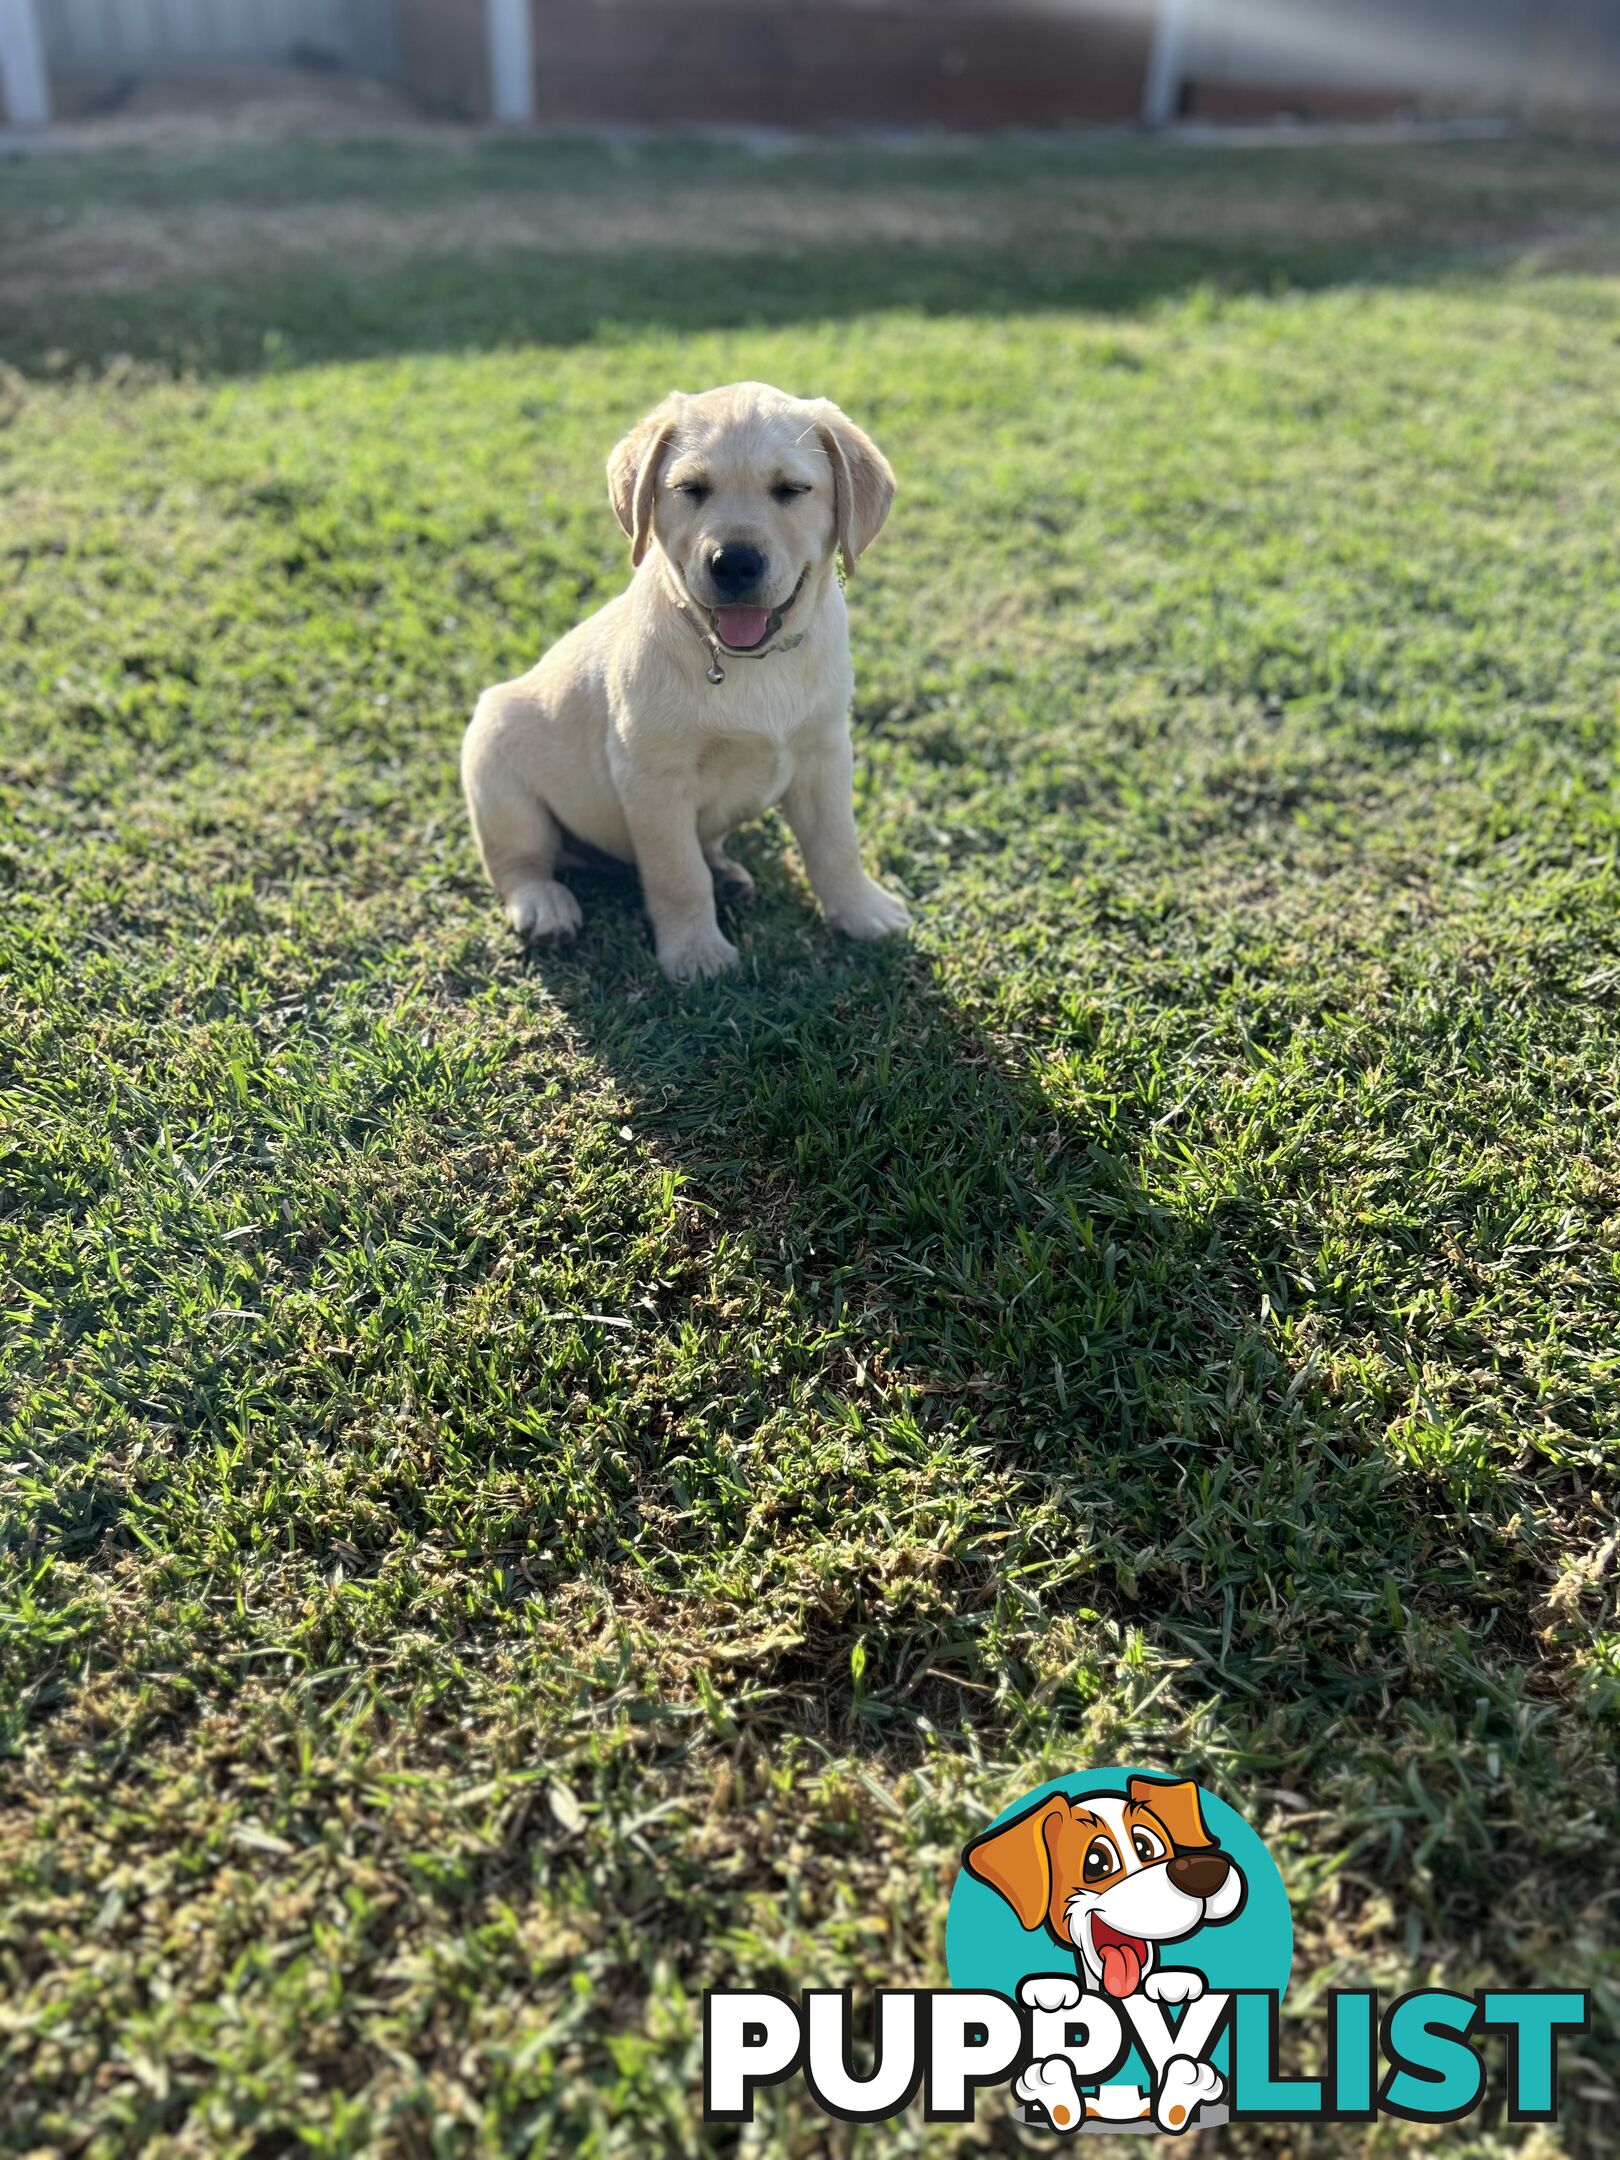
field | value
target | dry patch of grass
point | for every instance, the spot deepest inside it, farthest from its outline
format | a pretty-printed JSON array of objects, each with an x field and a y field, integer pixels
[{"x": 624, "y": 200}]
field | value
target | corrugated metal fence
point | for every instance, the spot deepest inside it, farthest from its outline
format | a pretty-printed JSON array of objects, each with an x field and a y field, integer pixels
[{"x": 102, "y": 34}]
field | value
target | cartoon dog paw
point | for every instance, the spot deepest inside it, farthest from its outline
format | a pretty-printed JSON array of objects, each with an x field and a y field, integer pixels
[
  {"x": 1050, "y": 2085},
  {"x": 1182, "y": 2090},
  {"x": 1049, "y": 1991},
  {"x": 1176, "y": 1984}
]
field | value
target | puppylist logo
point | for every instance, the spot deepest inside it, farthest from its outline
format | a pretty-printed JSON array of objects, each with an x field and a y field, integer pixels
[{"x": 1119, "y": 1943}]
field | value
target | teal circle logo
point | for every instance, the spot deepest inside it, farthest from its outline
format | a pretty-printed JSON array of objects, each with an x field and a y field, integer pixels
[{"x": 1105, "y": 1899}]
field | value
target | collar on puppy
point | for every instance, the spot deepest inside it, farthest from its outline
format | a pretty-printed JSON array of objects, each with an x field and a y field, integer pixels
[{"x": 714, "y": 648}]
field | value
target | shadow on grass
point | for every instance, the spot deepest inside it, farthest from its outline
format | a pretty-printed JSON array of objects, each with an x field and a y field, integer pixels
[
  {"x": 992, "y": 1262},
  {"x": 240, "y": 325},
  {"x": 641, "y": 237},
  {"x": 998, "y": 1294}
]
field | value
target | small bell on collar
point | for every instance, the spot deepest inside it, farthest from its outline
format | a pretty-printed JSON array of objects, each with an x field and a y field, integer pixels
[{"x": 717, "y": 673}]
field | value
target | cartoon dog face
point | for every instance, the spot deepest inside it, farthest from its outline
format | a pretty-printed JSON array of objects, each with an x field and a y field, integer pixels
[{"x": 1112, "y": 1875}]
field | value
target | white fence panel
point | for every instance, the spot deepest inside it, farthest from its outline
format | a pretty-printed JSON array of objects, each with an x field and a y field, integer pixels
[{"x": 1512, "y": 50}]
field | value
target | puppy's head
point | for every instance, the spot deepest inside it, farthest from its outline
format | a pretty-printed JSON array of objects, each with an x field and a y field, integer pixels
[
  {"x": 750, "y": 495},
  {"x": 1112, "y": 1875}
]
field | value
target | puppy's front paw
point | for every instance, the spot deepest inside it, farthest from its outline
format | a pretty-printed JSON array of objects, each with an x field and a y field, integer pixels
[
  {"x": 1175, "y": 1984},
  {"x": 1049, "y": 1991},
  {"x": 696, "y": 956},
  {"x": 1050, "y": 2085},
  {"x": 1182, "y": 2090},
  {"x": 543, "y": 909},
  {"x": 870, "y": 912}
]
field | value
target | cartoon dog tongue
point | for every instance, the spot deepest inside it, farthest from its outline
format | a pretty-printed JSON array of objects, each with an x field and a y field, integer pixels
[
  {"x": 1121, "y": 1967},
  {"x": 741, "y": 627}
]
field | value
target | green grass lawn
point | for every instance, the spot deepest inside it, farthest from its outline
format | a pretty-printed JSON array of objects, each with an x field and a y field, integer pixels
[{"x": 527, "y": 1493}]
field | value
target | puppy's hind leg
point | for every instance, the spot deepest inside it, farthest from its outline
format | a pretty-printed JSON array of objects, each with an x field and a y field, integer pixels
[
  {"x": 730, "y": 876},
  {"x": 519, "y": 841}
]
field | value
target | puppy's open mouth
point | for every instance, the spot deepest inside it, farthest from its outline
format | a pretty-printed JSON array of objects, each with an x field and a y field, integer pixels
[
  {"x": 745, "y": 629},
  {"x": 1122, "y": 1957}
]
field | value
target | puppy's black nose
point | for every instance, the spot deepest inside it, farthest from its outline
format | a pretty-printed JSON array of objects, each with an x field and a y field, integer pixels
[
  {"x": 1199, "y": 1874},
  {"x": 736, "y": 567}
]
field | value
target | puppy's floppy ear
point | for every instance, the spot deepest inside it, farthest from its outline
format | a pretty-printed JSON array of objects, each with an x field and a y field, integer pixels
[
  {"x": 1176, "y": 1805},
  {"x": 1017, "y": 1861},
  {"x": 632, "y": 472},
  {"x": 863, "y": 484}
]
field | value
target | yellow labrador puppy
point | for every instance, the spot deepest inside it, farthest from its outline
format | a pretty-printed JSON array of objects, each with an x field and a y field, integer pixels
[{"x": 717, "y": 684}]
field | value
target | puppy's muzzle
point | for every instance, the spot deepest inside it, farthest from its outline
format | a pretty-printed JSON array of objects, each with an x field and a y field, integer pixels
[
  {"x": 746, "y": 632},
  {"x": 736, "y": 599}
]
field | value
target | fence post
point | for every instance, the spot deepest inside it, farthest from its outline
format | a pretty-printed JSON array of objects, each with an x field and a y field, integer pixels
[
  {"x": 22, "y": 65},
  {"x": 511, "y": 59},
  {"x": 1161, "y": 93}
]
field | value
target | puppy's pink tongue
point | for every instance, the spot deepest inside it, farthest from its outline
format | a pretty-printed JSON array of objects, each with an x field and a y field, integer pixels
[
  {"x": 1122, "y": 1968},
  {"x": 741, "y": 626}
]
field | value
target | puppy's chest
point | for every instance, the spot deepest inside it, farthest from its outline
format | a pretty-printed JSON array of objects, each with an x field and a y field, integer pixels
[{"x": 739, "y": 775}]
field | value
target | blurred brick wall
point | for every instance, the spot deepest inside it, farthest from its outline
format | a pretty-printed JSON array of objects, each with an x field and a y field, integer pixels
[
  {"x": 982, "y": 63},
  {"x": 888, "y": 62},
  {"x": 796, "y": 63}
]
